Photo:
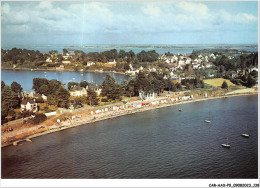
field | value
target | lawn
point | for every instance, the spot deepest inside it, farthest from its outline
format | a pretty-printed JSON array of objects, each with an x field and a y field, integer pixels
[{"x": 217, "y": 82}]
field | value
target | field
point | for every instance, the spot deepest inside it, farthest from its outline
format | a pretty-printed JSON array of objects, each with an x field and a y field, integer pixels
[{"x": 217, "y": 82}]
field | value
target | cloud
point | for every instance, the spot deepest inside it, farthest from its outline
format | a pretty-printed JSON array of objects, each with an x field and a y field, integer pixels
[
  {"x": 119, "y": 18},
  {"x": 152, "y": 10},
  {"x": 5, "y": 8}
]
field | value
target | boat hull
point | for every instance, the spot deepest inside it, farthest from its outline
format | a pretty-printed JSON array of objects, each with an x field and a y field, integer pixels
[
  {"x": 245, "y": 135},
  {"x": 225, "y": 145}
]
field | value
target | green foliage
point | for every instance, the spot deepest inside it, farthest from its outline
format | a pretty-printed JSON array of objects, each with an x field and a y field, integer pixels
[
  {"x": 110, "y": 88},
  {"x": 16, "y": 87},
  {"x": 38, "y": 82},
  {"x": 83, "y": 84},
  {"x": 149, "y": 56},
  {"x": 72, "y": 84},
  {"x": 250, "y": 81},
  {"x": 92, "y": 98},
  {"x": 39, "y": 118},
  {"x": 62, "y": 97},
  {"x": 2, "y": 85},
  {"x": 193, "y": 83},
  {"x": 224, "y": 85}
]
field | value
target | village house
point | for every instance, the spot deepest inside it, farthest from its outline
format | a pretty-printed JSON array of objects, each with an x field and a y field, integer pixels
[
  {"x": 112, "y": 62},
  {"x": 66, "y": 62},
  {"x": 28, "y": 105},
  {"x": 96, "y": 88},
  {"x": 66, "y": 56},
  {"x": 77, "y": 91},
  {"x": 48, "y": 60},
  {"x": 90, "y": 63},
  {"x": 61, "y": 67}
]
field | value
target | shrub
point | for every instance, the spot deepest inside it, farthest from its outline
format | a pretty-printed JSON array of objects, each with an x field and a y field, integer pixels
[
  {"x": 39, "y": 118},
  {"x": 104, "y": 100},
  {"x": 224, "y": 85}
]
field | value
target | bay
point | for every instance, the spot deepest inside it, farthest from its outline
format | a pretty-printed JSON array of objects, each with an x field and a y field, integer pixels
[
  {"x": 25, "y": 77},
  {"x": 161, "y": 143}
]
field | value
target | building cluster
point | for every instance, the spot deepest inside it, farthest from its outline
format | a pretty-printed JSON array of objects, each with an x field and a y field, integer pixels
[
  {"x": 179, "y": 61},
  {"x": 145, "y": 102}
]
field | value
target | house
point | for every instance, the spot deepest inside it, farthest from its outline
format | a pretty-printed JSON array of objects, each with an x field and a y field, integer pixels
[
  {"x": 78, "y": 91},
  {"x": 146, "y": 97},
  {"x": 209, "y": 65},
  {"x": 112, "y": 62},
  {"x": 60, "y": 68},
  {"x": 132, "y": 72},
  {"x": 28, "y": 105},
  {"x": 96, "y": 88},
  {"x": 152, "y": 69},
  {"x": 66, "y": 62},
  {"x": 48, "y": 60},
  {"x": 234, "y": 75},
  {"x": 90, "y": 63},
  {"x": 211, "y": 75},
  {"x": 44, "y": 97},
  {"x": 66, "y": 56}
]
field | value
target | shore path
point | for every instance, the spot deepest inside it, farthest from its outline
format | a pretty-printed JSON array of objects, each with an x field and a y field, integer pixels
[{"x": 9, "y": 138}]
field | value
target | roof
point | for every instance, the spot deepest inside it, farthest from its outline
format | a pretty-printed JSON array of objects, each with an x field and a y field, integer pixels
[
  {"x": 76, "y": 88},
  {"x": 25, "y": 101}
]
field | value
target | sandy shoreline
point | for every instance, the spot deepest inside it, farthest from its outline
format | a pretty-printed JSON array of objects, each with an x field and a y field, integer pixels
[{"x": 109, "y": 115}]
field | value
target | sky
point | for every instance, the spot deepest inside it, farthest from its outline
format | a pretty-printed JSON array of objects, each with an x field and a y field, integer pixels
[{"x": 130, "y": 22}]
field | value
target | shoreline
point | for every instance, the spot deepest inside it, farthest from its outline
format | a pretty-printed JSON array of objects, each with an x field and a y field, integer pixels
[
  {"x": 68, "y": 124},
  {"x": 68, "y": 70}
]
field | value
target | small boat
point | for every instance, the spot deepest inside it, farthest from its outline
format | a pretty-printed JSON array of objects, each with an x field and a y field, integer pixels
[
  {"x": 180, "y": 109},
  {"x": 207, "y": 120},
  {"x": 246, "y": 135},
  {"x": 226, "y": 145},
  {"x": 45, "y": 72}
]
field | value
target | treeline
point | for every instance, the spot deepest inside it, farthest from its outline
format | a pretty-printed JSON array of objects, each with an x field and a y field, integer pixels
[
  {"x": 54, "y": 90},
  {"x": 9, "y": 99},
  {"x": 122, "y": 55},
  {"x": 193, "y": 83},
  {"x": 244, "y": 61},
  {"x": 27, "y": 57}
]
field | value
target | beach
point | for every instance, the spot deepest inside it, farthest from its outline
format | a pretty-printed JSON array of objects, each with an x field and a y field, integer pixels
[{"x": 83, "y": 117}]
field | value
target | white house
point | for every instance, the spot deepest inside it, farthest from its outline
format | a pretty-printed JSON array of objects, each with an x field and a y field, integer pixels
[
  {"x": 112, "y": 62},
  {"x": 78, "y": 91},
  {"x": 66, "y": 62},
  {"x": 48, "y": 60},
  {"x": 90, "y": 63},
  {"x": 28, "y": 105}
]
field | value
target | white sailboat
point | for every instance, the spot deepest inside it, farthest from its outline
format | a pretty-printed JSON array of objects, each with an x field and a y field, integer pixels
[
  {"x": 246, "y": 135},
  {"x": 207, "y": 120},
  {"x": 226, "y": 145}
]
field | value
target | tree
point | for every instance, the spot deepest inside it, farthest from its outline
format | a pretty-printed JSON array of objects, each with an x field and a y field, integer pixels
[
  {"x": 16, "y": 87},
  {"x": 65, "y": 51},
  {"x": 72, "y": 84},
  {"x": 38, "y": 82},
  {"x": 39, "y": 118},
  {"x": 110, "y": 88},
  {"x": 224, "y": 85},
  {"x": 250, "y": 81},
  {"x": 62, "y": 97},
  {"x": 92, "y": 97},
  {"x": 130, "y": 88},
  {"x": 83, "y": 84},
  {"x": 2, "y": 85},
  {"x": 44, "y": 89}
]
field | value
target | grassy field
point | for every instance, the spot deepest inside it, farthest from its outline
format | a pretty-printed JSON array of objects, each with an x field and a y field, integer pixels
[{"x": 217, "y": 82}]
